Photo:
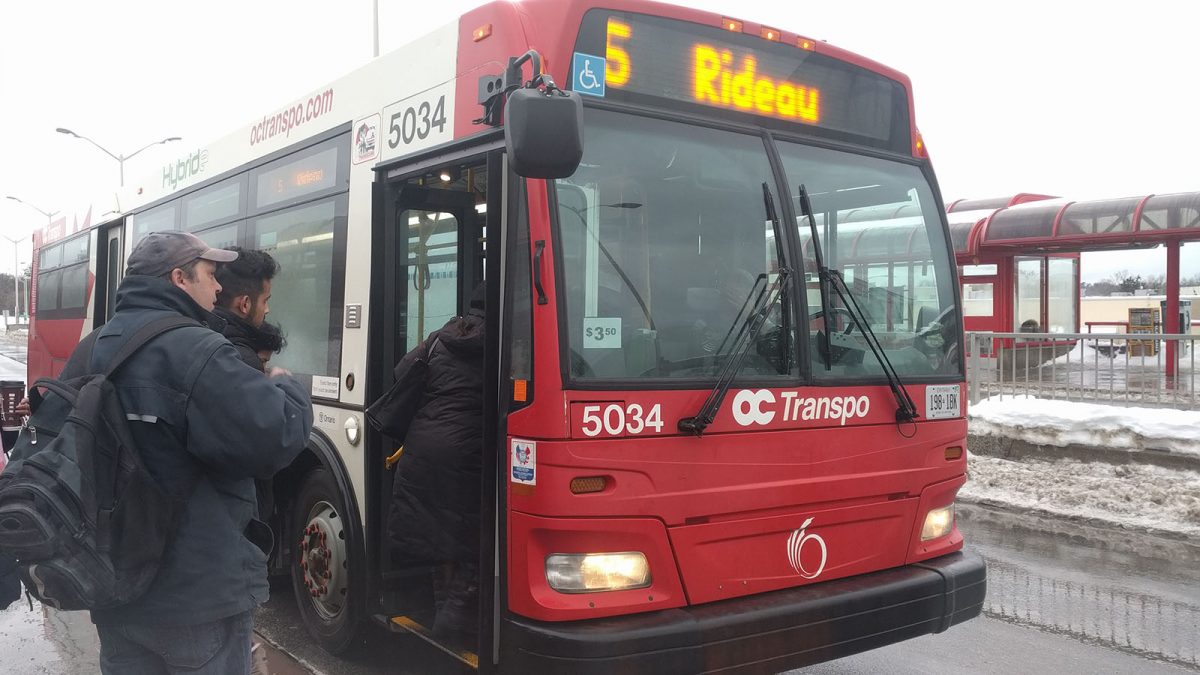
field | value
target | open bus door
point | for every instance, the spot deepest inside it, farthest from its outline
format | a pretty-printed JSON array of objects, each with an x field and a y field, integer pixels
[
  {"x": 432, "y": 249},
  {"x": 110, "y": 270}
]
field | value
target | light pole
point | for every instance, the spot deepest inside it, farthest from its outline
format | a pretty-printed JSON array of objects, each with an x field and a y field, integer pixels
[
  {"x": 16, "y": 262},
  {"x": 120, "y": 158}
]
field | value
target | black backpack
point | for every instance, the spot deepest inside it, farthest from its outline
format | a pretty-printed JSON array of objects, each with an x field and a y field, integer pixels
[{"x": 86, "y": 521}]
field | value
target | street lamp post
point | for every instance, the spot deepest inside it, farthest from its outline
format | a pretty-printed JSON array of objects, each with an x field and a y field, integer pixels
[
  {"x": 120, "y": 158},
  {"x": 16, "y": 261}
]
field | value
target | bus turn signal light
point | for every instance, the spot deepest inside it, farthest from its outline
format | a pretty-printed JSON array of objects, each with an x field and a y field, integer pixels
[
  {"x": 954, "y": 454},
  {"x": 593, "y": 572},
  {"x": 588, "y": 484},
  {"x": 482, "y": 33}
]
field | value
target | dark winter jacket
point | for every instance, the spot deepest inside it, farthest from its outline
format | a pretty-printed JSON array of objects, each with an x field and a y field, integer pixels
[
  {"x": 435, "y": 494},
  {"x": 202, "y": 417},
  {"x": 244, "y": 337}
]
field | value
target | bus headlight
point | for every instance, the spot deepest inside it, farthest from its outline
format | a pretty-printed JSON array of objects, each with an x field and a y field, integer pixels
[
  {"x": 938, "y": 523},
  {"x": 593, "y": 572}
]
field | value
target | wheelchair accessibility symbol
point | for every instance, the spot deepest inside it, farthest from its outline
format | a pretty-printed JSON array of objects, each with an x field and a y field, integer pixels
[{"x": 588, "y": 74}]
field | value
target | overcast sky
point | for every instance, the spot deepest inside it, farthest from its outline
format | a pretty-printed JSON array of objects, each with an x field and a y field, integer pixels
[{"x": 1083, "y": 100}]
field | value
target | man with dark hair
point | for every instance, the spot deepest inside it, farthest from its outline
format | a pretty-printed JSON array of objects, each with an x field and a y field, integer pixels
[
  {"x": 243, "y": 303},
  {"x": 205, "y": 426}
]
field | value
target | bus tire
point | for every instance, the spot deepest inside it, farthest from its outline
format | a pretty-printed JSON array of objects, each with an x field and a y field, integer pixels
[{"x": 326, "y": 585}]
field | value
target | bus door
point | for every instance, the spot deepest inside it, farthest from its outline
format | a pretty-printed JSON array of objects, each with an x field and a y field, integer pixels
[
  {"x": 434, "y": 244},
  {"x": 110, "y": 269}
]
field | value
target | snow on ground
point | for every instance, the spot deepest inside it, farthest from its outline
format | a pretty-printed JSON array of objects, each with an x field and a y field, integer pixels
[
  {"x": 1136, "y": 496},
  {"x": 1132, "y": 496},
  {"x": 1062, "y": 423}
]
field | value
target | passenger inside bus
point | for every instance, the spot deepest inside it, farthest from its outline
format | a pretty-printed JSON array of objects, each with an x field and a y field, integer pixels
[{"x": 433, "y": 520}]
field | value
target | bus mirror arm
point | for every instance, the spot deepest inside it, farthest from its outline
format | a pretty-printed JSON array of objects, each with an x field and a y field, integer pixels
[{"x": 543, "y": 125}]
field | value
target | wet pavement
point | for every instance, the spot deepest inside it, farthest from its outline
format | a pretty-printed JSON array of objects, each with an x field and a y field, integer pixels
[
  {"x": 1121, "y": 588},
  {"x": 43, "y": 641}
]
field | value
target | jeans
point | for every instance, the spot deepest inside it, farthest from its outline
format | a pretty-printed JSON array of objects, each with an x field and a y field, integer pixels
[{"x": 219, "y": 647}]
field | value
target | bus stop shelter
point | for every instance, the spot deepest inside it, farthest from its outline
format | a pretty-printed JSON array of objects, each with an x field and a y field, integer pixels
[{"x": 1039, "y": 224}]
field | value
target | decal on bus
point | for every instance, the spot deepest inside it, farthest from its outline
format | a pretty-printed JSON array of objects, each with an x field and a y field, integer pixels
[{"x": 759, "y": 407}]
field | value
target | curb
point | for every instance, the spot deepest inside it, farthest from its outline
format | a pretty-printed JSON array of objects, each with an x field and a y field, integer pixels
[{"x": 1006, "y": 447}]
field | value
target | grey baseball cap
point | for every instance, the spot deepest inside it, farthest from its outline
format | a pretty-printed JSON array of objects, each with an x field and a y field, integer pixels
[{"x": 160, "y": 252}]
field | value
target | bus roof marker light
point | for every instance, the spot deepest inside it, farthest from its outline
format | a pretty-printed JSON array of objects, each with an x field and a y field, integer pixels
[
  {"x": 482, "y": 33},
  {"x": 805, "y": 43},
  {"x": 732, "y": 25},
  {"x": 770, "y": 34}
]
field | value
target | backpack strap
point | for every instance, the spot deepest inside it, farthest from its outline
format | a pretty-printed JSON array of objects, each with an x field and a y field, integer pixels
[{"x": 142, "y": 336}]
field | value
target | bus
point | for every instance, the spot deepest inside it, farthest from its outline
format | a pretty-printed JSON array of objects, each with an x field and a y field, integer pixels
[{"x": 709, "y": 443}]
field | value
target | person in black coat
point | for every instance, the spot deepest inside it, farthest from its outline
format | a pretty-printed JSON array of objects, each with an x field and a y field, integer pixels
[{"x": 434, "y": 517}]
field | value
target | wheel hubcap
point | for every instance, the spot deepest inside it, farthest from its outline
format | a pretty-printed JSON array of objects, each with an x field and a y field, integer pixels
[{"x": 322, "y": 560}]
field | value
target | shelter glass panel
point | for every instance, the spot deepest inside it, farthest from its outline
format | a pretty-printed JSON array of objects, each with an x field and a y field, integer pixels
[
  {"x": 1101, "y": 217},
  {"x": 1062, "y": 290},
  {"x": 1022, "y": 223},
  {"x": 1171, "y": 212}
]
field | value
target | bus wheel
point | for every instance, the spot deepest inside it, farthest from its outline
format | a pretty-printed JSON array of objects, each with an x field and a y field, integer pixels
[{"x": 322, "y": 575}]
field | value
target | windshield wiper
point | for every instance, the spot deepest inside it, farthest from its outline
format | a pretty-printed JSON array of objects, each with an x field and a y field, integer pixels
[
  {"x": 708, "y": 411},
  {"x": 747, "y": 335},
  {"x": 906, "y": 410},
  {"x": 822, "y": 273}
]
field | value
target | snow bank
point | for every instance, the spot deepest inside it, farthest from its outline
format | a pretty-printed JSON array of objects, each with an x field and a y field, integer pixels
[
  {"x": 1063, "y": 423},
  {"x": 1127, "y": 495}
]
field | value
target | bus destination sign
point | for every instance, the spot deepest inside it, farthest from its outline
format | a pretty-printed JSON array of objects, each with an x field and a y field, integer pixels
[{"x": 648, "y": 58}]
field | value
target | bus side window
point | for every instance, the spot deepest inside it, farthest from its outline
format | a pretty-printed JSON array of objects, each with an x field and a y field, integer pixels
[{"x": 522, "y": 304}]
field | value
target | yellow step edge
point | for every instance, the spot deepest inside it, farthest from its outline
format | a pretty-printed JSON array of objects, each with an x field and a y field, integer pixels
[{"x": 405, "y": 623}]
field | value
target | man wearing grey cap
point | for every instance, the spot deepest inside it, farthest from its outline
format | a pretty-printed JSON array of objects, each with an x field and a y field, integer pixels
[{"x": 206, "y": 425}]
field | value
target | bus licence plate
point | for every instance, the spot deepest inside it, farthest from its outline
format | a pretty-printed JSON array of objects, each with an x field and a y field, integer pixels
[{"x": 942, "y": 401}]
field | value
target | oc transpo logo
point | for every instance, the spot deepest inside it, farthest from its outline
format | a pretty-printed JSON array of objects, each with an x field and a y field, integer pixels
[
  {"x": 760, "y": 407},
  {"x": 795, "y": 549}
]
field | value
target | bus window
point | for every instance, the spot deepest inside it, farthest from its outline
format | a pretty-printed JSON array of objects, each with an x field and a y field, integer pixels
[
  {"x": 880, "y": 218},
  {"x": 432, "y": 272},
  {"x": 221, "y": 237},
  {"x": 76, "y": 250},
  {"x": 47, "y": 292},
  {"x": 665, "y": 252},
  {"x": 74, "y": 287},
  {"x": 51, "y": 257},
  {"x": 301, "y": 239},
  {"x": 160, "y": 219},
  {"x": 522, "y": 295},
  {"x": 213, "y": 205}
]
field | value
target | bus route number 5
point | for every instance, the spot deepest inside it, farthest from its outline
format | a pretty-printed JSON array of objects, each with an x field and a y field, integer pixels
[
  {"x": 615, "y": 419},
  {"x": 415, "y": 122}
]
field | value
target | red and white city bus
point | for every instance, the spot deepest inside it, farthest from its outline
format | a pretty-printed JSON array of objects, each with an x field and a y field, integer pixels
[{"x": 715, "y": 439}]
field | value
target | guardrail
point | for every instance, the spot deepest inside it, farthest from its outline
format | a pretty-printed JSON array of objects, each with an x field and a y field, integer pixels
[{"x": 1115, "y": 368}]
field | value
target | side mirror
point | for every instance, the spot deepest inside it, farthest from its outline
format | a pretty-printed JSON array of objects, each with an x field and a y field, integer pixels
[{"x": 543, "y": 132}]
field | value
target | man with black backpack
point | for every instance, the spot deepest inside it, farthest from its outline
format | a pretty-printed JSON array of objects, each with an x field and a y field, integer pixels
[{"x": 203, "y": 425}]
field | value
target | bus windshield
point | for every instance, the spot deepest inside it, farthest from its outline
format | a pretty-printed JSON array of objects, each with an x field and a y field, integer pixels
[
  {"x": 879, "y": 227},
  {"x": 666, "y": 246}
]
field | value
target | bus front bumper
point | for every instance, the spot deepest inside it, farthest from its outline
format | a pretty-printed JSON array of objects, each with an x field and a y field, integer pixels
[{"x": 765, "y": 633}]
